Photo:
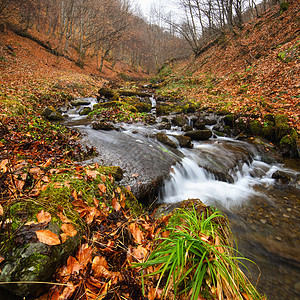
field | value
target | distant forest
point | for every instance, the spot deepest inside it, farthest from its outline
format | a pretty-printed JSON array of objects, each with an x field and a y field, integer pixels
[{"x": 111, "y": 30}]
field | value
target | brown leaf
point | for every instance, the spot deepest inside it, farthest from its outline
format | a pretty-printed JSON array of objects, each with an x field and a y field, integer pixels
[
  {"x": 75, "y": 195},
  {"x": 3, "y": 165},
  {"x": 96, "y": 202},
  {"x": 135, "y": 175},
  {"x": 1, "y": 210},
  {"x": 98, "y": 266},
  {"x": 115, "y": 204},
  {"x": 63, "y": 237},
  {"x": 136, "y": 233},
  {"x": 47, "y": 163},
  {"x": 128, "y": 188},
  {"x": 63, "y": 218},
  {"x": 43, "y": 216},
  {"x": 140, "y": 253},
  {"x": 103, "y": 177},
  {"x": 1, "y": 259},
  {"x": 68, "y": 229},
  {"x": 47, "y": 237},
  {"x": 92, "y": 174},
  {"x": 84, "y": 254},
  {"x": 102, "y": 187}
]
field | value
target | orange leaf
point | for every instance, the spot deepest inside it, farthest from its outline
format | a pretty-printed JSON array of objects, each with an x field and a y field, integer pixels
[
  {"x": 47, "y": 163},
  {"x": 1, "y": 210},
  {"x": 96, "y": 202},
  {"x": 63, "y": 237},
  {"x": 103, "y": 177},
  {"x": 75, "y": 195},
  {"x": 98, "y": 266},
  {"x": 47, "y": 237},
  {"x": 85, "y": 254},
  {"x": 140, "y": 253},
  {"x": 3, "y": 164},
  {"x": 102, "y": 187},
  {"x": 136, "y": 233},
  {"x": 116, "y": 205},
  {"x": 68, "y": 229},
  {"x": 43, "y": 217},
  {"x": 92, "y": 174}
]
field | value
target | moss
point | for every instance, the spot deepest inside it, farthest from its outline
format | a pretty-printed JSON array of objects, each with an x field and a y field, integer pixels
[
  {"x": 115, "y": 104},
  {"x": 132, "y": 203},
  {"x": 255, "y": 128},
  {"x": 282, "y": 127},
  {"x": 115, "y": 171},
  {"x": 289, "y": 143},
  {"x": 268, "y": 130},
  {"x": 229, "y": 120}
]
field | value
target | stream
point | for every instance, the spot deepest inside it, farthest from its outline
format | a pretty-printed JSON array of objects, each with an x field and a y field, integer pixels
[{"x": 230, "y": 174}]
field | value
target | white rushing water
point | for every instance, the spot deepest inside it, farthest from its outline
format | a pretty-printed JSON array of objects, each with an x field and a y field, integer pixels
[{"x": 189, "y": 181}]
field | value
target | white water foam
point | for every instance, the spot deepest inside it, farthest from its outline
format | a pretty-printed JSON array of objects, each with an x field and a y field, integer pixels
[{"x": 189, "y": 181}]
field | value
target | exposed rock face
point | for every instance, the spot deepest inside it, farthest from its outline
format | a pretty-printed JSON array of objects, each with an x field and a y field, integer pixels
[
  {"x": 199, "y": 135},
  {"x": 163, "y": 138}
]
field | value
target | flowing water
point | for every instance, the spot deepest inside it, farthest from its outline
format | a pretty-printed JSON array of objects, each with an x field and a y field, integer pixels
[{"x": 227, "y": 173}]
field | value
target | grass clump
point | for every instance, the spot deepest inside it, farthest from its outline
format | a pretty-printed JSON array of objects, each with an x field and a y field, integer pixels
[{"x": 197, "y": 259}]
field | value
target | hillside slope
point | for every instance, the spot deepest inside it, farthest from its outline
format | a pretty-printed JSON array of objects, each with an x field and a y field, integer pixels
[{"x": 254, "y": 71}]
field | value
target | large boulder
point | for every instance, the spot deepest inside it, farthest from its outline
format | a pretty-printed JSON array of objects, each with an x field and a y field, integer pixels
[{"x": 199, "y": 135}]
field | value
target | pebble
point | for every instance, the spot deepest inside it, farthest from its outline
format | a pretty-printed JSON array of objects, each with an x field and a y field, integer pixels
[
  {"x": 278, "y": 238},
  {"x": 286, "y": 216},
  {"x": 263, "y": 221},
  {"x": 289, "y": 209}
]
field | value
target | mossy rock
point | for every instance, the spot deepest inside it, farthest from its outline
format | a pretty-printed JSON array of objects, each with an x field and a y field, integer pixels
[
  {"x": 29, "y": 260},
  {"x": 108, "y": 93},
  {"x": 288, "y": 144},
  {"x": 282, "y": 127},
  {"x": 255, "y": 128},
  {"x": 184, "y": 141},
  {"x": 163, "y": 109},
  {"x": 199, "y": 135},
  {"x": 229, "y": 120},
  {"x": 85, "y": 111},
  {"x": 163, "y": 138},
  {"x": 179, "y": 121},
  {"x": 268, "y": 130}
]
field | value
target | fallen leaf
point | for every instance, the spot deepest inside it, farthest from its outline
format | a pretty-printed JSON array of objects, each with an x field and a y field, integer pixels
[
  {"x": 63, "y": 218},
  {"x": 68, "y": 229},
  {"x": 47, "y": 237},
  {"x": 63, "y": 237},
  {"x": 96, "y": 202},
  {"x": 47, "y": 163},
  {"x": 128, "y": 188},
  {"x": 1, "y": 259},
  {"x": 3, "y": 165},
  {"x": 84, "y": 255},
  {"x": 99, "y": 262},
  {"x": 102, "y": 187},
  {"x": 103, "y": 177},
  {"x": 115, "y": 204},
  {"x": 1, "y": 210},
  {"x": 136, "y": 233},
  {"x": 135, "y": 175},
  {"x": 92, "y": 174},
  {"x": 140, "y": 253},
  {"x": 43, "y": 216}
]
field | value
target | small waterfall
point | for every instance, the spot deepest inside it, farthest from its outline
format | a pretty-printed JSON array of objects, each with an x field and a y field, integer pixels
[
  {"x": 153, "y": 105},
  {"x": 189, "y": 181}
]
